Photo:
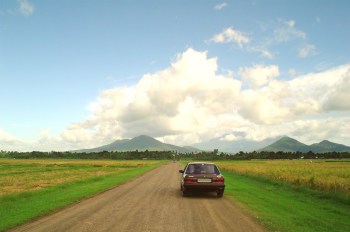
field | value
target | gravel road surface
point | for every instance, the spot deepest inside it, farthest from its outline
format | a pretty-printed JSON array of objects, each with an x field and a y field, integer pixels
[{"x": 151, "y": 202}]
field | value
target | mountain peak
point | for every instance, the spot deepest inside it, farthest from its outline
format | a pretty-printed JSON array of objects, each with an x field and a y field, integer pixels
[
  {"x": 140, "y": 143},
  {"x": 146, "y": 139},
  {"x": 326, "y": 142},
  {"x": 287, "y": 138},
  {"x": 286, "y": 144},
  {"x": 143, "y": 137}
]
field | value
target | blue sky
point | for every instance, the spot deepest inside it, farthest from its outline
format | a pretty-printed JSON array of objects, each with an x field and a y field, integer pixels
[{"x": 78, "y": 74}]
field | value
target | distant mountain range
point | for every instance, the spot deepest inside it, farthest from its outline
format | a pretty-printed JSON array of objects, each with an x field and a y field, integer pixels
[
  {"x": 288, "y": 144},
  {"x": 285, "y": 144},
  {"x": 140, "y": 143},
  {"x": 234, "y": 146}
]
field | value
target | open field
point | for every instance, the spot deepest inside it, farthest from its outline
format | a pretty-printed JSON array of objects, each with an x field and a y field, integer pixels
[
  {"x": 285, "y": 208},
  {"x": 18, "y": 176},
  {"x": 265, "y": 189},
  {"x": 270, "y": 199},
  {"x": 326, "y": 175},
  {"x": 151, "y": 202},
  {"x": 31, "y": 188}
]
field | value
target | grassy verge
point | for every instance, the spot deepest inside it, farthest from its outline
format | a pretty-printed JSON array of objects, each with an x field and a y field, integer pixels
[
  {"x": 18, "y": 208},
  {"x": 283, "y": 207},
  {"x": 331, "y": 176}
]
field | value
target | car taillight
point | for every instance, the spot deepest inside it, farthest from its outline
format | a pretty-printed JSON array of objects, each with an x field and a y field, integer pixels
[
  {"x": 190, "y": 180},
  {"x": 219, "y": 179}
]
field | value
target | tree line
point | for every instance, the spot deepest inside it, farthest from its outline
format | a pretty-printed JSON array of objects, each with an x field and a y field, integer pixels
[
  {"x": 127, "y": 155},
  {"x": 172, "y": 155}
]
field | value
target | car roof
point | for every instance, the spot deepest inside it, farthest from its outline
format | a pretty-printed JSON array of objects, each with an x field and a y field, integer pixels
[{"x": 200, "y": 163}]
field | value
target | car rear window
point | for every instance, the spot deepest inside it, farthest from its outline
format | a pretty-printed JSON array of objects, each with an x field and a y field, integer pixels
[{"x": 202, "y": 169}]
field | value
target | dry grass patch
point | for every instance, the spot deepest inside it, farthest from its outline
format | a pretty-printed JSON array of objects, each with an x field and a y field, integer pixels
[{"x": 17, "y": 176}]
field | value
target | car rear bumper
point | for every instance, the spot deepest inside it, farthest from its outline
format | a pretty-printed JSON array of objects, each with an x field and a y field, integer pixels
[{"x": 204, "y": 187}]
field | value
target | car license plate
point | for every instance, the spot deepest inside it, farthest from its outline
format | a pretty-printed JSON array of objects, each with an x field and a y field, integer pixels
[{"x": 204, "y": 180}]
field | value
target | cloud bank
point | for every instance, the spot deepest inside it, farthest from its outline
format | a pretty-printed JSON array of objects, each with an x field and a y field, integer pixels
[{"x": 190, "y": 101}]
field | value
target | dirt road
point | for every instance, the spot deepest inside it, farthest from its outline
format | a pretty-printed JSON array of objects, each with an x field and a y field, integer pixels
[{"x": 152, "y": 202}]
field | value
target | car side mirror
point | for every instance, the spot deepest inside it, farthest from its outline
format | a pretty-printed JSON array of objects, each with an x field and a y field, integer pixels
[{"x": 181, "y": 171}]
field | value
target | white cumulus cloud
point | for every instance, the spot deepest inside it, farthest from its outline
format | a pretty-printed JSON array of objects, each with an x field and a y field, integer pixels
[
  {"x": 259, "y": 75},
  {"x": 304, "y": 96},
  {"x": 220, "y": 6},
  {"x": 9, "y": 143},
  {"x": 306, "y": 50},
  {"x": 6, "y": 137},
  {"x": 190, "y": 101},
  {"x": 287, "y": 31},
  {"x": 188, "y": 96},
  {"x": 26, "y": 8},
  {"x": 338, "y": 98},
  {"x": 230, "y": 35}
]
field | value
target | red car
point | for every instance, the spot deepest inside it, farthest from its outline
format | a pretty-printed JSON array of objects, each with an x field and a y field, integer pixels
[{"x": 202, "y": 177}]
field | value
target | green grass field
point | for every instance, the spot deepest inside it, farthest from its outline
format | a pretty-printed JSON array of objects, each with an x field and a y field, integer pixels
[
  {"x": 267, "y": 190},
  {"x": 32, "y": 188},
  {"x": 325, "y": 175},
  {"x": 284, "y": 195}
]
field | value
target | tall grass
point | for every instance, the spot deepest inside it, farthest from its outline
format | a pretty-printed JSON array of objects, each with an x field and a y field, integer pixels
[
  {"x": 31, "y": 188},
  {"x": 285, "y": 208},
  {"x": 17, "y": 176},
  {"x": 324, "y": 175}
]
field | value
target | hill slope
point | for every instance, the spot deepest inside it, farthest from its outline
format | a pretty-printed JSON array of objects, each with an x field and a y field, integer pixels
[
  {"x": 234, "y": 146},
  {"x": 287, "y": 144},
  {"x": 140, "y": 143},
  {"x": 327, "y": 146}
]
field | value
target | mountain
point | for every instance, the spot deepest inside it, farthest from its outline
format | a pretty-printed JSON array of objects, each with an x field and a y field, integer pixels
[
  {"x": 288, "y": 144},
  {"x": 234, "y": 146},
  {"x": 327, "y": 146},
  {"x": 140, "y": 143}
]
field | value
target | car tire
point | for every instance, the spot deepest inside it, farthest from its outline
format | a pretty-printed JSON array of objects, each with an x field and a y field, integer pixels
[
  {"x": 184, "y": 192},
  {"x": 220, "y": 194}
]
